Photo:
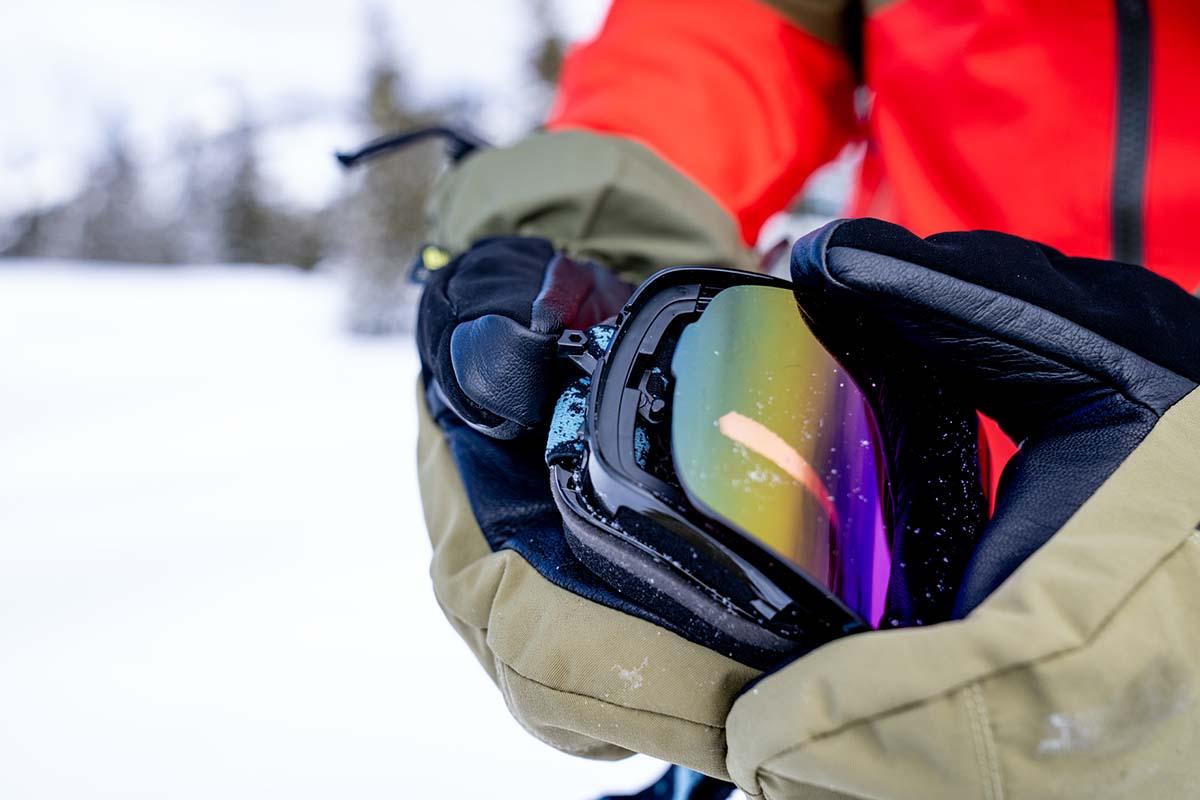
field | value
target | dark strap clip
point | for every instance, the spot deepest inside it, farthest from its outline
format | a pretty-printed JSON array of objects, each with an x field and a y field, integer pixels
[
  {"x": 459, "y": 144},
  {"x": 575, "y": 347}
]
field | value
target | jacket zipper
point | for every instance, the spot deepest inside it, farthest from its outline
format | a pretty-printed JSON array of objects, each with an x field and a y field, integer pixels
[{"x": 1133, "y": 116}]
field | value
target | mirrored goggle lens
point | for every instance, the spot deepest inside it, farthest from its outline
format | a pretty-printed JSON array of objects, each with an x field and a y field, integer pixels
[{"x": 770, "y": 435}]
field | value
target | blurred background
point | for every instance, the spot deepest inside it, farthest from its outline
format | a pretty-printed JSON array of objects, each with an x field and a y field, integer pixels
[
  {"x": 188, "y": 133},
  {"x": 212, "y": 557}
]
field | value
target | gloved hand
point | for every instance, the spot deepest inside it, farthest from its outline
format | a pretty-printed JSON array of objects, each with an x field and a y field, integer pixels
[
  {"x": 488, "y": 326},
  {"x": 566, "y": 651},
  {"x": 1075, "y": 358},
  {"x": 1071, "y": 666}
]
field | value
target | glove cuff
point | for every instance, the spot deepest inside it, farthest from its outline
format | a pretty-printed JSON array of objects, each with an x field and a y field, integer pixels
[{"x": 599, "y": 197}]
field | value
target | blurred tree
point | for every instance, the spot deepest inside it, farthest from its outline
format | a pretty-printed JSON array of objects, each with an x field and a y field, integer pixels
[
  {"x": 543, "y": 60},
  {"x": 388, "y": 208},
  {"x": 198, "y": 217},
  {"x": 550, "y": 48},
  {"x": 222, "y": 209},
  {"x": 115, "y": 222},
  {"x": 24, "y": 234},
  {"x": 226, "y": 211},
  {"x": 206, "y": 200},
  {"x": 245, "y": 219},
  {"x": 108, "y": 220},
  {"x": 112, "y": 200}
]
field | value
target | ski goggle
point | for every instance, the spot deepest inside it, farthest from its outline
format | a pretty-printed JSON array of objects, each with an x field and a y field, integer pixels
[{"x": 716, "y": 460}]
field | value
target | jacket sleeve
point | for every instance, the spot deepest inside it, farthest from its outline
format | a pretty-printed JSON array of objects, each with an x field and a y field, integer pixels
[
  {"x": 744, "y": 99},
  {"x": 676, "y": 132}
]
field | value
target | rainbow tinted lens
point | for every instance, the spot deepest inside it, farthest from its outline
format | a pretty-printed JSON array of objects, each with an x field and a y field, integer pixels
[{"x": 770, "y": 435}]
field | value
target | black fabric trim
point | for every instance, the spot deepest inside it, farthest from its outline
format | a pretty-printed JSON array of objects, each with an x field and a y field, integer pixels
[
  {"x": 678, "y": 783},
  {"x": 854, "y": 20},
  {"x": 1133, "y": 117}
]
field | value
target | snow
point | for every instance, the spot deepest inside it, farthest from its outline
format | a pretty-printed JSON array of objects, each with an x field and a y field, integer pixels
[{"x": 213, "y": 568}]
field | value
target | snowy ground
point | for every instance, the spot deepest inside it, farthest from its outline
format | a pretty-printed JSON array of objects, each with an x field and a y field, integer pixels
[{"x": 212, "y": 561}]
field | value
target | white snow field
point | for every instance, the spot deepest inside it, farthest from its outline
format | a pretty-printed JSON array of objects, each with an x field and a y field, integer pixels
[{"x": 213, "y": 568}]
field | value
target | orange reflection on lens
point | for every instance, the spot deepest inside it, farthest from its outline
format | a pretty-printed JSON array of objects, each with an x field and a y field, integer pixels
[{"x": 757, "y": 437}]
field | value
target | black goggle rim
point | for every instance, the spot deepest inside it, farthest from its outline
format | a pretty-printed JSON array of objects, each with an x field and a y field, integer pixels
[{"x": 779, "y": 596}]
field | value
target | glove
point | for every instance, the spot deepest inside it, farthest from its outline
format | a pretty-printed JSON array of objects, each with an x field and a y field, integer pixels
[
  {"x": 1072, "y": 664},
  {"x": 488, "y": 327},
  {"x": 1075, "y": 358},
  {"x": 565, "y": 650}
]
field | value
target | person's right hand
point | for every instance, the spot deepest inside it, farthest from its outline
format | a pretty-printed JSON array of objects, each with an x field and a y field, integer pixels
[
  {"x": 1076, "y": 358},
  {"x": 488, "y": 327}
]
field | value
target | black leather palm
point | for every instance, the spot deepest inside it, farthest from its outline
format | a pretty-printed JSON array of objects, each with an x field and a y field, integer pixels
[
  {"x": 1075, "y": 358},
  {"x": 488, "y": 326}
]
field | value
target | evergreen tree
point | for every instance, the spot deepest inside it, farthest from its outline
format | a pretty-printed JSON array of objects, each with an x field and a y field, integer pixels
[
  {"x": 198, "y": 217},
  {"x": 245, "y": 219},
  {"x": 388, "y": 207},
  {"x": 546, "y": 57},
  {"x": 109, "y": 218},
  {"x": 24, "y": 235},
  {"x": 115, "y": 223}
]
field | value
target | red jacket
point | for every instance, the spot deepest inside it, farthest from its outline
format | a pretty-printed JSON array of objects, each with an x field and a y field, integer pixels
[{"x": 1076, "y": 123}]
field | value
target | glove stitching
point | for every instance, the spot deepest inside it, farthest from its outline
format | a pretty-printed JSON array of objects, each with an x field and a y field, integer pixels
[{"x": 985, "y": 746}]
